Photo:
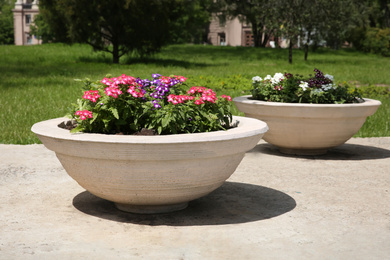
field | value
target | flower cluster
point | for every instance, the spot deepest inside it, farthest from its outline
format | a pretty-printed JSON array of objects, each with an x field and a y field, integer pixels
[
  {"x": 200, "y": 95},
  {"x": 128, "y": 104},
  {"x": 92, "y": 95},
  {"x": 84, "y": 114},
  {"x": 291, "y": 88}
]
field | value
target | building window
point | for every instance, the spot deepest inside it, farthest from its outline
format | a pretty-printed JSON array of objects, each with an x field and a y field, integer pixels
[
  {"x": 249, "y": 41},
  {"x": 222, "y": 39},
  {"x": 28, "y": 19},
  {"x": 29, "y": 39}
]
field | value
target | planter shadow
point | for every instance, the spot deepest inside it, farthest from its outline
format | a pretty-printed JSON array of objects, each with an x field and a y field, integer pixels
[
  {"x": 342, "y": 152},
  {"x": 230, "y": 204}
]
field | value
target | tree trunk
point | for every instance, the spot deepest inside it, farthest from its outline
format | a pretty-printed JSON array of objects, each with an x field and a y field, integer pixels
[
  {"x": 386, "y": 13},
  {"x": 115, "y": 53},
  {"x": 255, "y": 33},
  {"x": 306, "y": 50},
  {"x": 290, "y": 52},
  {"x": 266, "y": 37},
  {"x": 307, "y": 44}
]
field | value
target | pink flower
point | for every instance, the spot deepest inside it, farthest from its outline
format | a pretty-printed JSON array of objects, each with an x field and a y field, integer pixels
[
  {"x": 116, "y": 81},
  {"x": 135, "y": 92},
  {"x": 106, "y": 81},
  {"x": 165, "y": 79},
  {"x": 227, "y": 97},
  {"x": 112, "y": 91},
  {"x": 92, "y": 95},
  {"x": 181, "y": 78},
  {"x": 177, "y": 99},
  {"x": 84, "y": 114},
  {"x": 199, "y": 102},
  {"x": 127, "y": 80}
]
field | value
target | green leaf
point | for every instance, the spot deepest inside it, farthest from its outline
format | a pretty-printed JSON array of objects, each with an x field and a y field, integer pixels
[
  {"x": 165, "y": 121},
  {"x": 114, "y": 112},
  {"x": 77, "y": 129}
]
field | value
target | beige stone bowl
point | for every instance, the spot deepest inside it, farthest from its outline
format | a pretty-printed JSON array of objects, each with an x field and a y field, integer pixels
[
  {"x": 308, "y": 129},
  {"x": 151, "y": 174}
]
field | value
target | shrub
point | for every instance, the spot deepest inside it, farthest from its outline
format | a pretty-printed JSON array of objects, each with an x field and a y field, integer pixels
[{"x": 372, "y": 40}]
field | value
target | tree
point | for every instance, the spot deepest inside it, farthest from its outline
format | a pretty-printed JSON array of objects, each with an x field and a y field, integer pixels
[
  {"x": 292, "y": 15},
  {"x": 6, "y": 22},
  {"x": 192, "y": 22},
  {"x": 42, "y": 30},
  {"x": 371, "y": 32},
  {"x": 337, "y": 18},
  {"x": 116, "y": 26},
  {"x": 378, "y": 13},
  {"x": 385, "y": 7}
]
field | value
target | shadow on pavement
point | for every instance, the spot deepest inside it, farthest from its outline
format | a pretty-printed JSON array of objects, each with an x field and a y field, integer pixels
[
  {"x": 342, "y": 152},
  {"x": 232, "y": 203}
]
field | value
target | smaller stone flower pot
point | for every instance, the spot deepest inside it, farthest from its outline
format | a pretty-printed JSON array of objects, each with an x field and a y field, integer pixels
[
  {"x": 308, "y": 129},
  {"x": 151, "y": 174}
]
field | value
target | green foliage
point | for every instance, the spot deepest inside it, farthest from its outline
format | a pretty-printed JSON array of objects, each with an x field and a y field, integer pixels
[
  {"x": 377, "y": 125},
  {"x": 374, "y": 91},
  {"x": 289, "y": 88},
  {"x": 128, "y": 105},
  {"x": 377, "y": 41},
  {"x": 123, "y": 26},
  {"x": 192, "y": 19},
  {"x": 374, "y": 40},
  {"x": 41, "y": 29},
  {"x": 6, "y": 22}
]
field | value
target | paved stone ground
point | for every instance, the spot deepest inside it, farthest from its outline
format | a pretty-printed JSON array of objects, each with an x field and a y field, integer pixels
[{"x": 274, "y": 206}]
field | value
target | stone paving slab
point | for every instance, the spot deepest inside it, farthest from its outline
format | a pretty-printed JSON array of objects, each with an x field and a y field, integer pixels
[{"x": 274, "y": 206}]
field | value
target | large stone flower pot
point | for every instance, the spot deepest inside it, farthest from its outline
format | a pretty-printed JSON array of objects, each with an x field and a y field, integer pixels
[
  {"x": 151, "y": 174},
  {"x": 308, "y": 129}
]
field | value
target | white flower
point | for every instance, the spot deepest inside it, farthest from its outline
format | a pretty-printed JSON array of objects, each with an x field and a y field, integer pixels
[
  {"x": 304, "y": 85},
  {"x": 328, "y": 86},
  {"x": 317, "y": 91},
  {"x": 329, "y": 77},
  {"x": 256, "y": 79},
  {"x": 269, "y": 77},
  {"x": 277, "y": 78}
]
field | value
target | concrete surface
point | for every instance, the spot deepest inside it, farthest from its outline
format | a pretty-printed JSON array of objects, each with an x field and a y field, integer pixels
[{"x": 274, "y": 206}]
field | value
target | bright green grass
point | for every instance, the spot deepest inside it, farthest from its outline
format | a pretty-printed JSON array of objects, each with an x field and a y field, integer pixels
[{"x": 36, "y": 82}]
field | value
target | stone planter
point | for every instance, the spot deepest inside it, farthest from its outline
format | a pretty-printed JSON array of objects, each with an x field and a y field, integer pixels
[
  {"x": 151, "y": 174},
  {"x": 308, "y": 129}
]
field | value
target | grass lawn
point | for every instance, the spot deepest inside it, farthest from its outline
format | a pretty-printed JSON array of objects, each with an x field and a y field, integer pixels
[{"x": 37, "y": 82}]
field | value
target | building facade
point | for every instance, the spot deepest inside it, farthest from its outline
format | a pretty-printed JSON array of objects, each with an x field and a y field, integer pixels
[
  {"x": 235, "y": 33},
  {"x": 24, "y": 13},
  {"x": 232, "y": 33}
]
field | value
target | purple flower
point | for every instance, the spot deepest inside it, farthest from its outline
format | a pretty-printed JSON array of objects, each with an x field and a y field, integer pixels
[
  {"x": 146, "y": 82},
  {"x": 156, "y": 75},
  {"x": 156, "y": 104},
  {"x": 139, "y": 81}
]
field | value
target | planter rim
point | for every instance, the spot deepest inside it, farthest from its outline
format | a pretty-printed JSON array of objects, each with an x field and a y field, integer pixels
[
  {"x": 246, "y": 127},
  {"x": 246, "y": 100}
]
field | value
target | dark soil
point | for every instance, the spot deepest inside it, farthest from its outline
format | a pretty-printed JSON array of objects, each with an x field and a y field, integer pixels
[{"x": 71, "y": 124}]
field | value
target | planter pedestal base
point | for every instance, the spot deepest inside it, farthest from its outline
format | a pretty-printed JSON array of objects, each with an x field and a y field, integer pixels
[
  {"x": 151, "y": 209},
  {"x": 303, "y": 151}
]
